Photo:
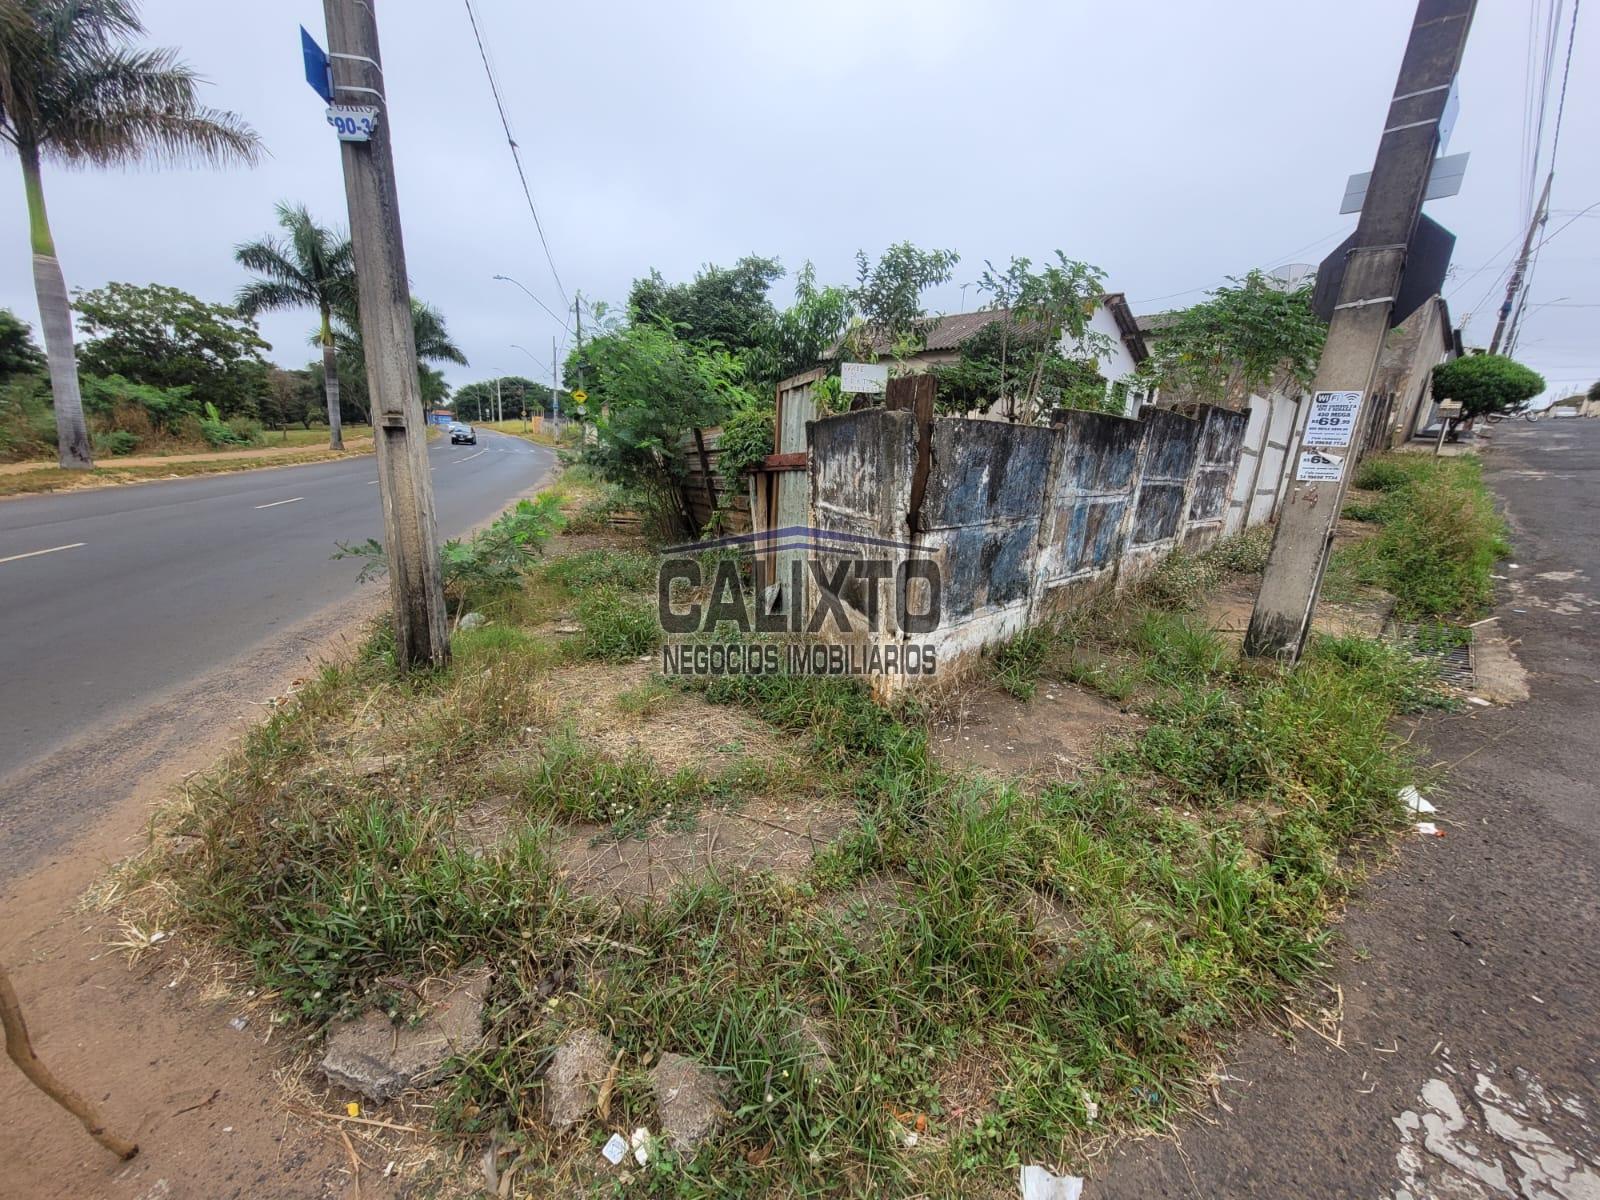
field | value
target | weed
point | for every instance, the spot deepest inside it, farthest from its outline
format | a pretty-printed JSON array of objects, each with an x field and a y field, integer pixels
[
  {"x": 1018, "y": 663},
  {"x": 1439, "y": 538},
  {"x": 616, "y": 627}
]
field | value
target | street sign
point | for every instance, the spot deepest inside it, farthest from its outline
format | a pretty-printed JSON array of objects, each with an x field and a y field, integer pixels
[
  {"x": 1319, "y": 467},
  {"x": 1444, "y": 179},
  {"x": 1333, "y": 419},
  {"x": 863, "y": 377},
  {"x": 579, "y": 395},
  {"x": 316, "y": 60},
  {"x": 353, "y": 122},
  {"x": 1427, "y": 259}
]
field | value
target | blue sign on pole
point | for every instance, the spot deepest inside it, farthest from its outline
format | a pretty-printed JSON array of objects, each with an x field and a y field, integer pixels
[{"x": 317, "y": 74}]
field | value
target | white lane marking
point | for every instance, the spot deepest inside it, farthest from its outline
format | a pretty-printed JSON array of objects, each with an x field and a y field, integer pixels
[
  {"x": 470, "y": 457},
  {"x": 275, "y": 503},
  {"x": 370, "y": 482},
  {"x": 36, "y": 553}
]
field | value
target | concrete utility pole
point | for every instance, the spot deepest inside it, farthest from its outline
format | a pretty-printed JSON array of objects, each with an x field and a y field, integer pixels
[
  {"x": 415, "y": 589},
  {"x": 555, "y": 388},
  {"x": 499, "y": 410},
  {"x": 1282, "y": 617},
  {"x": 1520, "y": 270}
]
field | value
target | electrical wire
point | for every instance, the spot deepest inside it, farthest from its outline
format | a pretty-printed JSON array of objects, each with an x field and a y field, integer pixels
[{"x": 516, "y": 154}]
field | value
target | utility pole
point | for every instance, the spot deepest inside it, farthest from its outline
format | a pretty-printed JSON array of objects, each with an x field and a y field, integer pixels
[
  {"x": 384, "y": 299},
  {"x": 1282, "y": 617},
  {"x": 499, "y": 410},
  {"x": 1541, "y": 214},
  {"x": 555, "y": 388}
]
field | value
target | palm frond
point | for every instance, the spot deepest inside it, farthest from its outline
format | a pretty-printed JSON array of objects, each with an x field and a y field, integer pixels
[{"x": 271, "y": 295}]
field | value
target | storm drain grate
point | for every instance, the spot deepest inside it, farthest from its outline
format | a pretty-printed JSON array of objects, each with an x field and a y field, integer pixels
[{"x": 1453, "y": 661}]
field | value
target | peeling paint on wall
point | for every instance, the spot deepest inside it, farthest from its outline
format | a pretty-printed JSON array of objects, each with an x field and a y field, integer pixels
[{"x": 1019, "y": 517}]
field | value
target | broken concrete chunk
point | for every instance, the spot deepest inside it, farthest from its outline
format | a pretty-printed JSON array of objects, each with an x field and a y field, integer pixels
[
  {"x": 472, "y": 620},
  {"x": 574, "y": 1077},
  {"x": 690, "y": 1099},
  {"x": 374, "y": 1056}
]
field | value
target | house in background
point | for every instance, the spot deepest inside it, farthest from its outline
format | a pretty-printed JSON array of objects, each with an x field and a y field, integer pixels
[
  {"x": 1111, "y": 317},
  {"x": 1403, "y": 404}
]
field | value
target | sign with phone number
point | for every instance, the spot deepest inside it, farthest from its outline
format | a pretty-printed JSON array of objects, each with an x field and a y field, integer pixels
[
  {"x": 1333, "y": 419},
  {"x": 353, "y": 122}
]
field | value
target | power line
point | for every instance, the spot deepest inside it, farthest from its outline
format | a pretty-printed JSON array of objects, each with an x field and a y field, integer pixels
[{"x": 516, "y": 155}]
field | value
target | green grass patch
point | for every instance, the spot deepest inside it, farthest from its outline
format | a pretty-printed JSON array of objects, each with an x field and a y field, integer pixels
[
  {"x": 1017, "y": 967},
  {"x": 1439, "y": 535}
]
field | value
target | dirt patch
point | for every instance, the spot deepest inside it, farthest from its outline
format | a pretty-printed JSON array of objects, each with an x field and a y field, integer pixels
[
  {"x": 764, "y": 836},
  {"x": 628, "y": 710},
  {"x": 1228, "y": 609},
  {"x": 1053, "y": 735},
  {"x": 151, "y": 1044}
]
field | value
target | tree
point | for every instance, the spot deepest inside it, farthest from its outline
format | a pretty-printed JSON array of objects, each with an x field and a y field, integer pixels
[
  {"x": 164, "y": 337},
  {"x": 312, "y": 267},
  {"x": 519, "y": 397},
  {"x": 647, "y": 390},
  {"x": 1486, "y": 383},
  {"x": 1040, "y": 352},
  {"x": 1594, "y": 392},
  {"x": 18, "y": 354},
  {"x": 888, "y": 297},
  {"x": 291, "y": 397},
  {"x": 723, "y": 306},
  {"x": 801, "y": 336},
  {"x": 428, "y": 332},
  {"x": 1250, "y": 336},
  {"x": 73, "y": 91}
]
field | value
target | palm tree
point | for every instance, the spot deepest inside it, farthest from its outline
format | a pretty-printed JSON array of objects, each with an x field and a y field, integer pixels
[
  {"x": 313, "y": 267},
  {"x": 428, "y": 333},
  {"x": 72, "y": 90}
]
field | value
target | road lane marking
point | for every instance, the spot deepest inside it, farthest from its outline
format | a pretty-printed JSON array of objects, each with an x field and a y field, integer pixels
[
  {"x": 370, "y": 482},
  {"x": 470, "y": 457},
  {"x": 36, "y": 553},
  {"x": 275, "y": 503}
]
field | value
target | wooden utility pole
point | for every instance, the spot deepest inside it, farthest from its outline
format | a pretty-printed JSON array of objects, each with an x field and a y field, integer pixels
[
  {"x": 384, "y": 297},
  {"x": 1282, "y": 617}
]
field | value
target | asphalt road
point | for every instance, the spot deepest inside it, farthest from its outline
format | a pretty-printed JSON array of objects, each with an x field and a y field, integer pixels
[
  {"x": 1467, "y": 1062},
  {"x": 114, "y": 598}
]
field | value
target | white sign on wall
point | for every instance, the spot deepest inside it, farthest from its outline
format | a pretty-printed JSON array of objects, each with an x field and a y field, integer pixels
[
  {"x": 1333, "y": 419},
  {"x": 1317, "y": 466},
  {"x": 863, "y": 377}
]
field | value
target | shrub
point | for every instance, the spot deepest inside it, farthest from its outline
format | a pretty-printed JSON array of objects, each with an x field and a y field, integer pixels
[
  {"x": 489, "y": 562},
  {"x": 115, "y": 442}
]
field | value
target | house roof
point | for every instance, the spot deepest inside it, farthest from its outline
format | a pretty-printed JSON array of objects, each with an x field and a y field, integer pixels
[{"x": 946, "y": 333}]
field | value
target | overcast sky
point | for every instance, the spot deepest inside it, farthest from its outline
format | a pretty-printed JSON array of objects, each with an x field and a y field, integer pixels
[{"x": 1171, "y": 143}]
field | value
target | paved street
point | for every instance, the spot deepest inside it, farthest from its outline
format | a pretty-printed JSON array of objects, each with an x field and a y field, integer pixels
[
  {"x": 119, "y": 598},
  {"x": 1468, "y": 969}
]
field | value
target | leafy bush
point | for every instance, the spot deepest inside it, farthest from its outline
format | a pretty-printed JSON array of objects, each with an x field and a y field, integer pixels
[
  {"x": 220, "y": 433},
  {"x": 115, "y": 442},
  {"x": 27, "y": 424},
  {"x": 1486, "y": 383},
  {"x": 490, "y": 561}
]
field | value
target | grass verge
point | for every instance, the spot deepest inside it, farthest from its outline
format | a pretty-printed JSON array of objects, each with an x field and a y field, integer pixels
[
  {"x": 1439, "y": 535},
  {"x": 977, "y": 973}
]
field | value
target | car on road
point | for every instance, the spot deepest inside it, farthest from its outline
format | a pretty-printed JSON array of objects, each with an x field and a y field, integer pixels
[{"x": 463, "y": 435}]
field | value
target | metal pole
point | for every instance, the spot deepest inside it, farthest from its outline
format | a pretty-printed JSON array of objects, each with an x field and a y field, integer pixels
[
  {"x": 1282, "y": 617},
  {"x": 384, "y": 299}
]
